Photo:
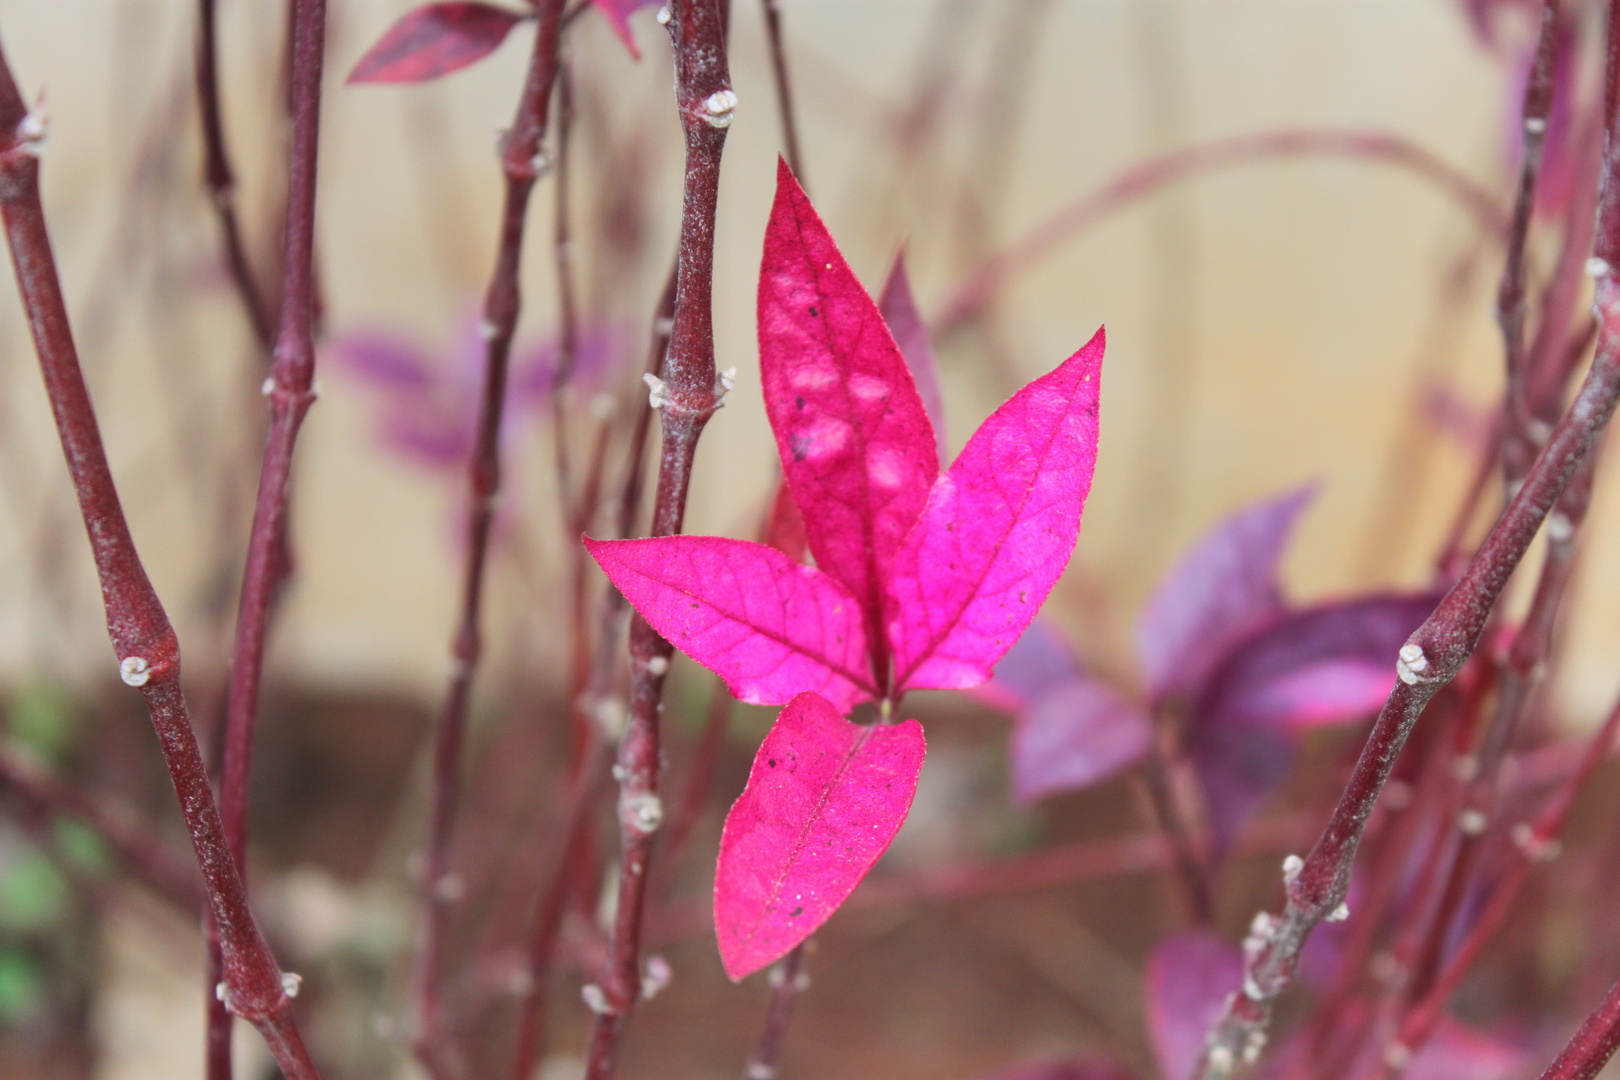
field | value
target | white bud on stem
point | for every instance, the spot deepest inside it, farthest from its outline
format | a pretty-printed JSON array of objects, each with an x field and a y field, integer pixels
[{"x": 134, "y": 670}]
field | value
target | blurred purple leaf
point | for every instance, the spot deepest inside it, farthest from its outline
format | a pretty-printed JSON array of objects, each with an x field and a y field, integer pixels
[
  {"x": 1074, "y": 735},
  {"x": 384, "y": 360},
  {"x": 1222, "y": 588},
  {"x": 1458, "y": 1052},
  {"x": 899, "y": 310},
  {"x": 1038, "y": 661},
  {"x": 1187, "y": 981},
  {"x": 1325, "y": 664}
]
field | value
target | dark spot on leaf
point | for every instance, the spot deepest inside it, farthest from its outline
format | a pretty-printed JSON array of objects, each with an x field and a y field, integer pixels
[
  {"x": 796, "y": 912},
  {"x": 771, "y": 762},
  {"x": 812, "y": 311},
  {"x": 801, "y": 447},
  {"x": 798, "y": 401}
]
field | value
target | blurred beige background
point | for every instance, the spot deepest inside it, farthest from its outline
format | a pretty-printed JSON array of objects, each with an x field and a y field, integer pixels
[{"x": 1267, "y": 324}]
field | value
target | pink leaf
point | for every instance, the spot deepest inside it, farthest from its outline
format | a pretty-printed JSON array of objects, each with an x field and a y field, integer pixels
[
  {"x": 434, "y": 40},
  {"x": 1221, "y": 589},
  {"x": 1074, "y": 735},
  {"x": 784, "y": 529},
  {"x": 767, "y": 625},
  {"x": 911, "y": 335},
  {"x": 1067, "y": 1069},
  {"x": 997, "y": 532},
  {"x": 857, "y": 448},
  {"x": 1188, "y": 979},
  {"x": 824, "y": 799},
  {"x": 617, "y": 13}
]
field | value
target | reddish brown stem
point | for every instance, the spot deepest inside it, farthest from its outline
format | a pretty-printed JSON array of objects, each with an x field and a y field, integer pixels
[
  {"x": 689, "y": 395},
  {"x": 1533, "y": 843},
  {"x": 784, "y": 90},
  {"x": 1148, "y": 176},
  {"x": 520, "y": 165},
  {"x": 143, "y": 639},
  {"x": 788, "y": 980},
  {"x": 221, "y": 179},
  {"x": 290, "y": 389},
  {"x": 1593, "y": 1045}
]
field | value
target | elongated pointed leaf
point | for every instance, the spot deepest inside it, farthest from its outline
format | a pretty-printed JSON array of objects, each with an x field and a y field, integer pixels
[
  {"x": 434, "y": 40},
  {"x": 1187, "y": 981},
  {"x": 1075, "y": 734},
  {"x": 767, "y": 625},
  {"x": 824, "y": 799},
  {"x": 856, "y": 445},
  {"x": 998, "y": 529},
  {"x": 1224, "y": 587},
  {"x": 900, "y": 313}
]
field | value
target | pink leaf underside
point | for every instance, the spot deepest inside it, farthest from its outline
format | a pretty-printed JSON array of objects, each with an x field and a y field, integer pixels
[
  {"x": 1074, "y": 735},
  {"x": 857, "y": 448},
  {"x": 997, "y": 531},
  {"x": 617, "y": 13},
  {"x": 768, "y": 626},
  {"x": 434, "y": 40},
  {"x": 1224, "y": 586},
  {"x": 900, "y": 314},
  {"x": 1040, "y": 660},
  {"x": 824, "y": 799},
  {"x": 1187, "y": 981}
]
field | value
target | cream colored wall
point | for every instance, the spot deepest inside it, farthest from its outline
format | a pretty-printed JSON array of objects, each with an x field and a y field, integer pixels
[{"x": 1294, "y": 321}]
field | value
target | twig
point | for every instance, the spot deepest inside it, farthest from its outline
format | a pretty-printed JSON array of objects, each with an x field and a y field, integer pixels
[
  {"x": 1150, "y": 175},
  {"x": 520, "y": 165},
  {"x": 143, "y": 640},
  {"x": 141, "y": 854},
  {"x": 784, "y": 88},
  {"x": 1592, "y": 1045},
  {"x": 220, "y": 178},
  {"x": 1431, "y": 658},
  {"x": 788, "y": 980},
  {"x": 1533, "y": 844},
  {"x": 688, "y": 394},
  {"x": 290, "y": 389}
]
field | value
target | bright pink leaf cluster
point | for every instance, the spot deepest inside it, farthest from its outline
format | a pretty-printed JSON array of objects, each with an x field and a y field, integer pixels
[{"x": 922, "y": 578}]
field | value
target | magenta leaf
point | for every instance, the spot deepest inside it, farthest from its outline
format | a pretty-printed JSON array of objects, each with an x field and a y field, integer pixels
[
  {"x": 1458, "y": 1052},
  {"x": 767, "y": 625},
  {"x": 856, "y": 445},
  {"x": 1222, "y": 588},
  {"x": 1326, "y": 664},
  {"x": 1075, "y": 734},
  {"x": 997, "y": 531},
  {"x": 434, "y": 40},
  {"x": 911, "y": 335},
  {"x": 824, "y": 799},
  {"x": 1188, "y": 979},
  {"x": 784, "y": 529},
  {"x": 617, "y": 13}
]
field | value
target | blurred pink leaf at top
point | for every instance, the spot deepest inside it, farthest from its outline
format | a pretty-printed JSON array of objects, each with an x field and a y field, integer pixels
[
  {"x": 617, "y": 13},
  {"x": 1075, "y": 734},
  {"x": 1469, "y": 424},
  {"x": 1187, "y": 981},
  {"x": 769, "y": 626},
  {"x": 997, "y": 531},
  {"x": 857, "y": 447},
  {"x": 824, "y": 799},
  {"x": 899, "y": 310},
  {"x": 1222, "y": 588},
  {"x": 434, "y": 40},
  {"x": 1039, "y": 660}
]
